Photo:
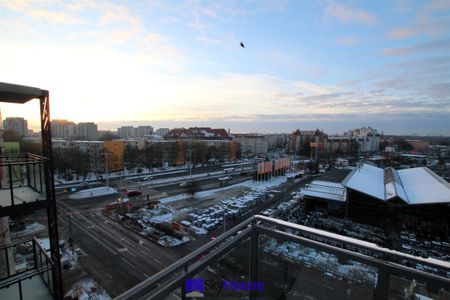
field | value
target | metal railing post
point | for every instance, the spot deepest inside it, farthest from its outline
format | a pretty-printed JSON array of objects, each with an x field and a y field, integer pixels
[
  {"x": 254, "y": 258},
  {"x": 11, "y": 189},
  {"x": 20, "y": 290},
  {"x": 34, "y": 176},
  {"x": 40, "y": 179},
  {"x": 382, "y": 283},
  {"x": 34, "y": 254},
  {"x": 7, "y": 262},
  {"x": 183, "y": 286},
  {"x": 27, "y": 167},
  {"x": 40, "y": 259}
]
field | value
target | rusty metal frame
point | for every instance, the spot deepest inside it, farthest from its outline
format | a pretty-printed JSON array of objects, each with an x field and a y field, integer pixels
[{"x": 52, "y": 215}]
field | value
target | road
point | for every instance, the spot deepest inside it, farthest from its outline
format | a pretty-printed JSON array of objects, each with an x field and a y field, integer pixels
[
  {"x": 119, "y": 258},
  {"x": 115, "y": 256}
]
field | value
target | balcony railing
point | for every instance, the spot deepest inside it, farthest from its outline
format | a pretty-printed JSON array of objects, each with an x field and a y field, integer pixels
[
  {"x": 266, "y": 258},
  {"x": 28, "y": 271},
  {"x": 22, "y": 181}
]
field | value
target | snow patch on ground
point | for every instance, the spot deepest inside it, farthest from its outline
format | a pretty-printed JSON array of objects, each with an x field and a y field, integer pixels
[
  {"x": 159, "y": 214},
  {"x": 175, "y": 198},
  {"x": 263, "y": 185},
  {"x": 69, "y": 259},
  {"x": 169, "y": 241},
  {"x": 95, "y": 192},
  {"x": 30, "y": 229},
  {"x": 87, "y": 289},
  {"x": 254, "y": 185}
]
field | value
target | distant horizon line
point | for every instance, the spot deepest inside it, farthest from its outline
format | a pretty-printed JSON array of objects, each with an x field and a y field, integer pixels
[{"x": 114, "y": 125}]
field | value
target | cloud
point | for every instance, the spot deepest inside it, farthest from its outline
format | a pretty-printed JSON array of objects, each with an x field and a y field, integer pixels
[
  {"x": 111, "y": 13},
  {"x": 437, "y": 6},
  {"x": 390, "y": 123},
  {"x": 347, "y": 41},
  {"x": 196, "y": 25},
  {"x": 275, "y": 57},
  {"x": 272, "y": 5},
  {"x": 443, "y": 45},
  {"x": 138, "y": 65},
  {"x": 155, "y": 38},
  {"x": 118, "y": 36},
  {"x": 402, "y": 33},
  {"x": 429, "y": 25},
  {"x": 18, "y": 5},
  {"x": 54, "y": 17},
  {"x": 34, "y": 10},
  {"x": 17, "y": 25},
  {"x": 424, "y": 79},
  {"x": 345, "y": 14},
  {"x": 431, "y": 21},
  {"x": 209, "y": 41}
]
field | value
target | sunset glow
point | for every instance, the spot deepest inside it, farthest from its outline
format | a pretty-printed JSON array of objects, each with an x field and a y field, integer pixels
[{"x": 305, "y": 63}]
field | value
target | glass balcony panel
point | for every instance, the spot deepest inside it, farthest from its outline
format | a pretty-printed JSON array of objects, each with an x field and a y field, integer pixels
[
  {"x": 35, "y": 288},
  {"x": 47, "y": 278},
  {"x": 12, "y": 292},
  {"x": 293, "y": 270},
  {"x": 19, "y": 258},
  {"x": 224, "y": 278},
  {"x": 411, "y": 288},
  {"x": 22, "y": 179},
  {"x": 297, "y": 262},
  {"x": 175, "y": 295}
]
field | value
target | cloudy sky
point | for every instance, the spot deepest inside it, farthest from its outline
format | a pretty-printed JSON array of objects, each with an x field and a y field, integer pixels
[{"x": 333, "y": 65}]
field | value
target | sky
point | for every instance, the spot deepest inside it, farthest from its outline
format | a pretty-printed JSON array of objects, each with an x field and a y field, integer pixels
[{"x": 333, "y": 65}]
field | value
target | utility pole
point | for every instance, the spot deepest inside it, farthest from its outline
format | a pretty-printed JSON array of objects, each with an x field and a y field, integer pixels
[
  {"x": 70, "y": 231},
  {"x": 107, "y": 170},
  {"x": 190, "y": 159}
]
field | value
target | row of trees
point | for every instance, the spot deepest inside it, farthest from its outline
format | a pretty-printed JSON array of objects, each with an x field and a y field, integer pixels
[
  {"x": 72, "y": 161},
  {"x": 156, "y": 154}
]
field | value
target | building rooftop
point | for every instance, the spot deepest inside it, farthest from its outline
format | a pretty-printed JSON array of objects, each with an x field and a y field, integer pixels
[
  {"x": 421, "y": 185},
  {"x": 326, "y": 190},
  {"x": 198, "y": 132},
  {"x": 414, "y": 186}
]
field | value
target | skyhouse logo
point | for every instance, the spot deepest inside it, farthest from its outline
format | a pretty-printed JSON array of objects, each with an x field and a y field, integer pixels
[
  {"x": 195, "y": 287},
  {"x": 198, "y": 287}
]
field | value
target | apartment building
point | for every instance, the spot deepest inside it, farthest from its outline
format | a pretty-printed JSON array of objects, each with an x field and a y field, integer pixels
[
  {"x": 19, "y": 125},
  {"x": 86, "y": 131},
  {"x": 252, "y": 144},
  {"x": 63, "y": 129}
]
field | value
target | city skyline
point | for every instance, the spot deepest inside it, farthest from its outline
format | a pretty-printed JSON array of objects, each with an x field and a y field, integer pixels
[
  {"x": 115, "y": 126},
  {"x": 328, "y": 65}
]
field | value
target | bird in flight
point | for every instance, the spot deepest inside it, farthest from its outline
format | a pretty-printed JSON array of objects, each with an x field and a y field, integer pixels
[{"x": 242, "y": 45}]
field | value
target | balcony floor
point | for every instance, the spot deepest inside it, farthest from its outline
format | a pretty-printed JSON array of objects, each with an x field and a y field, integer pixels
[
  {"x": 33, "y": 288},
  {"x": 21, "y": 195}
]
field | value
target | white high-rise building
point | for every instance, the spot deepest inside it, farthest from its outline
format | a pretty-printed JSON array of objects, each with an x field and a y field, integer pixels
[{"x": 368, "y": 138}]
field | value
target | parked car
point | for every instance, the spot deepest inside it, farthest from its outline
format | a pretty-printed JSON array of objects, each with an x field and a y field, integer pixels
[{"x": 133, "y": 193}]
